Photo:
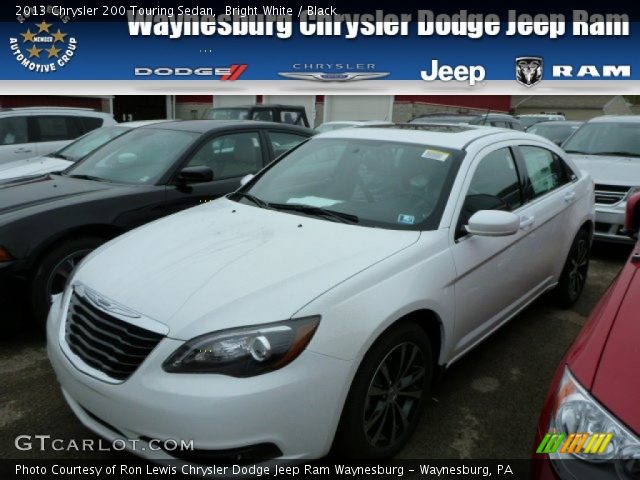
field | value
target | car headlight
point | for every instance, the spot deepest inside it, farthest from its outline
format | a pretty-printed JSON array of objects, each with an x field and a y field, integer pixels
[
  {"x": 631, "y": 191},
  {"x": 599, "y": 442},
  {"x": 246, "y": 351},
  {"x": 5, "y": 256}
]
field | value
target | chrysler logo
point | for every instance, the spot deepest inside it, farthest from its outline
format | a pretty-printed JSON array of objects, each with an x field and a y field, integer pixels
[
  {"x": 334, "y": 77},
  {"x": 107, "y": 305}
]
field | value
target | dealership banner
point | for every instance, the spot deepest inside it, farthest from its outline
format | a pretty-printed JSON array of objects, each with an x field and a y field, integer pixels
[{"x": 320, "y": 48}]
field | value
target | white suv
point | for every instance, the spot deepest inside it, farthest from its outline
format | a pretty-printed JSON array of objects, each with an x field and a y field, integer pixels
[
  {"x": 29, "y": 132},
  {"x": 313, "y": 306},
  {"x": 609, "y": 149}
]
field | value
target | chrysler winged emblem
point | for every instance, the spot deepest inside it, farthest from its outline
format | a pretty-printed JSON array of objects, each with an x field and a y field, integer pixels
[{"x": 334, "y": 77}]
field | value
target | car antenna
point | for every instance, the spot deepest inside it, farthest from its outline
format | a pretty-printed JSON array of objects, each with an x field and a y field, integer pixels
[{"x": 486, "y": 116}]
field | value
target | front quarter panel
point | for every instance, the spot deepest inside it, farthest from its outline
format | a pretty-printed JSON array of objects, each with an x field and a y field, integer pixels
[{"x": 356, "y": 312}]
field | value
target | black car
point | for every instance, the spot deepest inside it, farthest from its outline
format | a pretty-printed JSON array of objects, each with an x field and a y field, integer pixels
[
  {"x": 290, "y": 114},
  {"x": 49, "y": 223},
  {"x": 500, "y": 120}
]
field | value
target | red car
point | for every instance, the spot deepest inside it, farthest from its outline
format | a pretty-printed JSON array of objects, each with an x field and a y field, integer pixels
[{"x": 590, "y": 423}]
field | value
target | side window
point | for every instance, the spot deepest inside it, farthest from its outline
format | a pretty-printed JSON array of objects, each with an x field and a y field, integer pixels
[
  {"x": 291, "y": 117},
  {"x": 282, "y": 142},
  {"x": 544, "y": 169},
  {"x": 56, "y": 127},
  {"x": 500, "y": 124},
  {"x": 262, "y": 115},
  {"x": 495, "y": 185},
  {"x": 13, "y": 130},
  {"x": 231, "y": 155},
  {"x": 90, "y": 123}
]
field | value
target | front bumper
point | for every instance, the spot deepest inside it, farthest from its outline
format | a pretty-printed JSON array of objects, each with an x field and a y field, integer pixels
[
  {"x": 297, "y": 408},
  {"x": 610, "y": 222}
]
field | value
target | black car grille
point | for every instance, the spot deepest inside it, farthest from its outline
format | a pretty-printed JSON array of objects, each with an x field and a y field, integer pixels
[
  {"x": 104, "y": 342},
  {"x": 610, "y": 194}
]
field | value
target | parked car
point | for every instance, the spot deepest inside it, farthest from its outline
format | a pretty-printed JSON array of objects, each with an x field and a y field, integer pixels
[
  {"x": 338, "y": 124},
  {"x": 593, "y": 398},
  {"x": 28, "y": 132},
  {"x": 67, "y": 156},
  {"x": 532, "y": 118},
  {"x": 49, "y": 223},
  {"x": 490, "y": 119},
  {"x": 608, "y": 148},
  {"x": 557, "y": 130},
  {"x": 315, "y": 305},
  {"x": 291, "y": 114}
]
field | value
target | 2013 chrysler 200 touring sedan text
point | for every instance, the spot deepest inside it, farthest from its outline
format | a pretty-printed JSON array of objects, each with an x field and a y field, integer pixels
[{"x": 317, "y": 302}]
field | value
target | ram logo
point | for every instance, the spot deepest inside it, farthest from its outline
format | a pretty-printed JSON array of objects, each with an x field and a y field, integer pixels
[
  {"x": 528, "y": 70},
  {"x": 591, "y": 71}
]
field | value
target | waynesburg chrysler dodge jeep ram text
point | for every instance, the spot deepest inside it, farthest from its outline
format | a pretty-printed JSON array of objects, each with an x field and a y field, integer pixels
[
  {"x": 49, "y": 223},
  {"x": 313, "y": 306}
]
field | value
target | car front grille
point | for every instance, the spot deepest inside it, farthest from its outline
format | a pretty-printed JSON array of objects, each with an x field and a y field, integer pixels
[
  {"x": 105, "y": 343},
  {"x": 610, "y": 194}
]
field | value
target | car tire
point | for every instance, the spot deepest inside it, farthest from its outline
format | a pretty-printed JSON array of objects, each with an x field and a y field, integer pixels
[
  {"x": 54, "y": 269},
  {"x": 574, "y": 274},
  {"x": 387, "y": 396}
]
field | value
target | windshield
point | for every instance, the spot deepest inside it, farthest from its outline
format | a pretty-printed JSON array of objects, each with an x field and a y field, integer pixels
[
  {"x": 369, "y": 182},
  {"x": 557, "y": 132},
  {"x": 327, "y": 127},
  {"x": 227, "y": 114},
  {"x": 528, "y": 121},
  {"x": 610, "y": 138},
  {"x": 141, "y": 156},
  {"x": 89, "y": 142}
]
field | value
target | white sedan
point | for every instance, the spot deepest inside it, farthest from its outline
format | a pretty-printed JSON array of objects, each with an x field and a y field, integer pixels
[
  {"x": 68, "y": 155},
  {"x": 313, "y": 307}
]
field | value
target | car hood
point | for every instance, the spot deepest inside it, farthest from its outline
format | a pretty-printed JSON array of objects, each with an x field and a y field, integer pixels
[
  {"x": 617, "y": 383},
  {"x": 44, "y": 189},
  {"x": 226, "y": 264},
  {"x": 32, "y": 166},
  {"x": 610, "y": 170}
]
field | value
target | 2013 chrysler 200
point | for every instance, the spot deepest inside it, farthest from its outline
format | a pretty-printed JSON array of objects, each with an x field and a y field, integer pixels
[{"x": 314, "y": 306}]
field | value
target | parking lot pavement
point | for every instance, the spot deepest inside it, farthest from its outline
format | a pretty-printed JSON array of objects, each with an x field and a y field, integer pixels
[{"x": 486, "y": 406}]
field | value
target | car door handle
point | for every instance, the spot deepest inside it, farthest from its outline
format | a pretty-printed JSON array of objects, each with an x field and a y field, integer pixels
[
  {"x": 526, "y": 222},
  {"x": 22, "y": 150},
  {"x": 569, "y": 196}
]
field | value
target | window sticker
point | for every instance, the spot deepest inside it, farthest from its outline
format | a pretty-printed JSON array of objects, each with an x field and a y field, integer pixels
[
  {"x": 438, "y": 155},
  {"x": 406, "y": 219}
]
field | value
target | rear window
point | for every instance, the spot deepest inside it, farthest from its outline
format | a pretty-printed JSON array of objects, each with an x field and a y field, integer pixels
[
  {"x": 90, "y": 123},
  {"x": 51, "y": 128}
]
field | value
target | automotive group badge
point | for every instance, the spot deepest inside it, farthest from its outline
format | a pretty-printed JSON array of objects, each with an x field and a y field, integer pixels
[
  {"x": 42, "y": 46},
  {"x": 528, "y": 70}
]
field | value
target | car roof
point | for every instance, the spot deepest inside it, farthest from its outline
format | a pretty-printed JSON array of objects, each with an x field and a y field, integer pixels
[
  {"x": 86, "y": 112},
  {"x": 263, "y": 105},
  {"x": 205, "y": 126},
  {"x": 558, "y": 122},
  {"x": 436, "y": 134},
  {"x": 616, "y": 119},
  {"x": 142, "y": 123}
]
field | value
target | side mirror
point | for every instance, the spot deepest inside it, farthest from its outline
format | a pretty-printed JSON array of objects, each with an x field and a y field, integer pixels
[
  {"x": 246, "y": 179},
  {"x": 195, "y": 175},
  {"x": 493, "y": 223},
  {"x": 632, "y": 217}
]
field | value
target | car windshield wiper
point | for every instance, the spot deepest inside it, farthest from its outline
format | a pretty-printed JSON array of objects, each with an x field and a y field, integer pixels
[
  {"x": 87, "y": 177},
  {"x": 619, "y": 154},
  {"x": 318, "y": 211},
  {"x": 252, "y": 198},
  {"x": 579, "y": 152},
  {"x": 58, "y": 155}
]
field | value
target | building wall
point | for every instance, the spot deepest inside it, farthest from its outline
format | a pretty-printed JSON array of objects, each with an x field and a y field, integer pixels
[
  {"x": 18, "y": 101},
  {"x": 192, "y": 107}
]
